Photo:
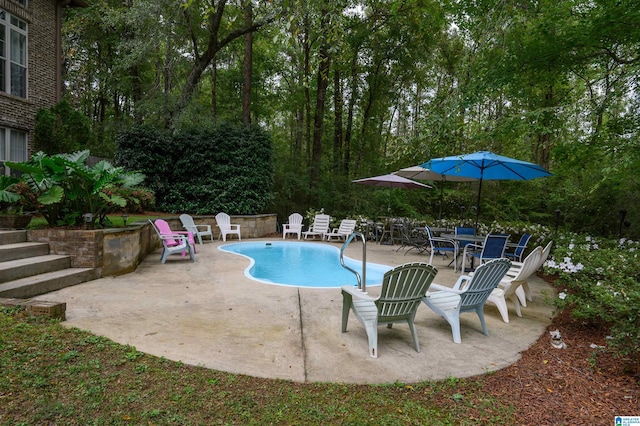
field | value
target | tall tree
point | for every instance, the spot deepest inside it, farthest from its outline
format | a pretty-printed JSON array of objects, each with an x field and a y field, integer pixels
[
  {"x": 206, "y": 44},
  {"x": 322, "y": 84},
  {"x": 247, "y": 65}
]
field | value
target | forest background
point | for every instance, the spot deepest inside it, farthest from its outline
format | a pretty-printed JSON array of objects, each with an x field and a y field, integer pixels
[{"x": 351, "y": 89}]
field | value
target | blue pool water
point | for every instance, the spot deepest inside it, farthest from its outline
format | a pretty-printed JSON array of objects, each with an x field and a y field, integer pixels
[{"x": 300, "y": 264}]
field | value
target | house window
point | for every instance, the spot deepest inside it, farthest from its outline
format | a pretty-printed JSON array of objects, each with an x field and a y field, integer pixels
[
  {"x": 13, "y": 55},
  {"x": 13, "y": 147},
  {"x": 22, "y": 3}
]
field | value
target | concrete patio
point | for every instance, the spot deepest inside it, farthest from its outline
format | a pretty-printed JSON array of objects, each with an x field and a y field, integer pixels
[{"x": 209, "y": 314}]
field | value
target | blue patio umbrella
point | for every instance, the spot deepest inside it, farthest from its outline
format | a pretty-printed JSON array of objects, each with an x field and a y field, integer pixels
[{"x": 485, "y": 165}]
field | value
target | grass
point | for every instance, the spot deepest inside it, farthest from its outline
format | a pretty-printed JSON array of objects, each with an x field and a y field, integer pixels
[
  {"x": 116, "y": 220},
  {"x": 57, "y": 375}
]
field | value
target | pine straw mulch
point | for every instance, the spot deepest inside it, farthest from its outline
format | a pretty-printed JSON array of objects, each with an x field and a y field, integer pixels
[{"x": 582, "y": 384}]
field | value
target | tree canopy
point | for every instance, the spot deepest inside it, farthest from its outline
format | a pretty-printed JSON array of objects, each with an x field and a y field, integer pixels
[{"x": 350, "y": 89}]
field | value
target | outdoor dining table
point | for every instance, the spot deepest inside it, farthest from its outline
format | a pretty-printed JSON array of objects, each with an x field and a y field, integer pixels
[{"x": 464, "y": 237}]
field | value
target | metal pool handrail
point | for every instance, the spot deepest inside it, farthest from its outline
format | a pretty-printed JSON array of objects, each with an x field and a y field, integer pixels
[{"x": 362, "y": 282}]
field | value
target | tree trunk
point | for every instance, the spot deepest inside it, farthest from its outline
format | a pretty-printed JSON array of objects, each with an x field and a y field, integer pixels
[
  {"x": 298, "y": 133},
  {"x": 307, "y": 93},
  {"x": 247, "y": 66},
  {"x": 337, "y": 133},
  {"x": 365, "y": 119},
  {"x": 214, "y": 90},
  {"x": 543, "y": 147},
  {"x": 350, "y": 111},
  {"x": 321, "y": 95},
  {"x": 167, "y": 83}
]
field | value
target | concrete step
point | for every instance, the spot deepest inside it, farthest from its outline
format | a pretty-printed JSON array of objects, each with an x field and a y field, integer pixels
[
  {"x": 13, "y": 236},
  {"x": 21, "y": 268},
  {"x": 27, "y": 269},
  {"x": 21, "y": 250},
  {"x": 46, "y": 282}
]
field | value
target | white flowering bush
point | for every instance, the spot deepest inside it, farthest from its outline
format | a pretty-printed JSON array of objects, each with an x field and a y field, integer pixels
[{"x": 599, "y": 282}]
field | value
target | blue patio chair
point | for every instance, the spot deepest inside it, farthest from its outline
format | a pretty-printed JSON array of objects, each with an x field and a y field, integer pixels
[
  {"x": 492, "y": 248},
  {"x": 462, "y": 230},
  {"x": 440, "y": 246},
  {"x": 518, "y": 253}
]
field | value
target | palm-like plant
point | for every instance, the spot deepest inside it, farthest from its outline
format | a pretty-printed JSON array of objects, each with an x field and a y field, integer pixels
[{"x": 67, "y": 188}]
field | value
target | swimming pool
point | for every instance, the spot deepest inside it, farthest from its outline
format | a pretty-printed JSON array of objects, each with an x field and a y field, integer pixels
[{"x": 298, "y": 264}]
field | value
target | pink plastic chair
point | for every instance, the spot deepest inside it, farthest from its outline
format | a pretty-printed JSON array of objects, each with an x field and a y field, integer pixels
[{"x": 165, "y": 230}]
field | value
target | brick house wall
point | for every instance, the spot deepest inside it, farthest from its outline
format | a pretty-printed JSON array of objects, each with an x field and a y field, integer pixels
[{"x": 43, "y": 19}]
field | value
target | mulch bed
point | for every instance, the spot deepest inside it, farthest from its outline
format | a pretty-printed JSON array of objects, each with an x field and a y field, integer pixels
[{"x": 582, "y": 384}]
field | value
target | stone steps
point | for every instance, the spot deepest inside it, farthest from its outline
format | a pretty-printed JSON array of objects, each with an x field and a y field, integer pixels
[{"x": 27, "y": 269}]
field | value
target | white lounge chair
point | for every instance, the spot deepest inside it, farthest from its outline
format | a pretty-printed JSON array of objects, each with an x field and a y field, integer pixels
[
  {"x": 347, "y": 226},
  {"x": 198, "y": 230},
  {"x": 226, "y": 227},
  {"x": 294, "y": 226},
  {"x": 510, "y": 287},
  {"x": 319, "y": 227},
  {"x": 402, "y": 289},
  {"x": 468, "y": 294}
]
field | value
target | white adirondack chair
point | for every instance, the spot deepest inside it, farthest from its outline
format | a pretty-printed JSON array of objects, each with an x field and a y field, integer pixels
[
  {"x": 294, "y": 226},
  {"x": 402, "y": 289},
  {"x": 467, "y": 295},
  {"x": 544, "y": 255},
  {"x": 347, "y": 226},
  {"x": 319, "y": 227},
  {"x": 198, "y": 230},
  {"x": 510, "y": 287},
  {"x": 226, "y": 227}
]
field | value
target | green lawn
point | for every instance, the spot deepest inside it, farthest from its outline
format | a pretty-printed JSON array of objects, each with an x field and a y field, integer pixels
[{"x": 55, "y": 375}]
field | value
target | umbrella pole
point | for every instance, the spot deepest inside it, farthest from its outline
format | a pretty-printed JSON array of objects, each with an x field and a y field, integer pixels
[
  {"x": 478, "y": 205},
  {"x": 441, "y": 198}
]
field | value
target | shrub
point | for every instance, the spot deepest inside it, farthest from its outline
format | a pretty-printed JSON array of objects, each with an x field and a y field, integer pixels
[
  {"x": 28, "y": 201},
  {"x": 149, "y": 150},
  {"x": 599, "y": 281},
  {"x": 138, "y": 200},
  {"x": 9, "y": 199},
  {"x": 203, "y": 171}
]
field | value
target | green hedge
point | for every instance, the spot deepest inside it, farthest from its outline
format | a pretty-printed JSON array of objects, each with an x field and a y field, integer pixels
[{"x": 203, "y": 171}]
